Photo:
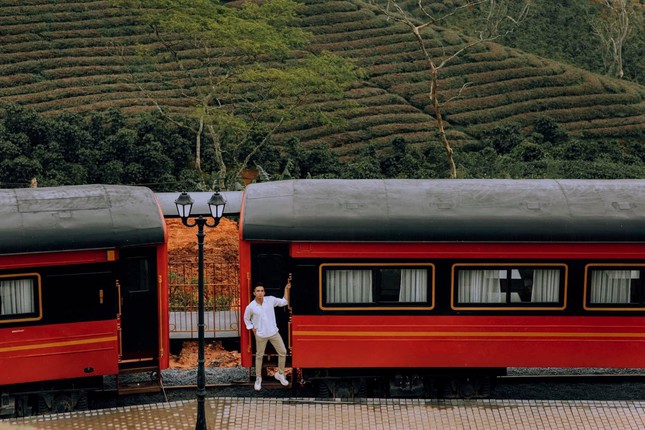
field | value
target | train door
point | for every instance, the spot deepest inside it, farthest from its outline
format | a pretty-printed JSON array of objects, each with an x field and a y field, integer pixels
[
  {"x": 139, "y": 307},
  {"x": 270, "y": 266}
]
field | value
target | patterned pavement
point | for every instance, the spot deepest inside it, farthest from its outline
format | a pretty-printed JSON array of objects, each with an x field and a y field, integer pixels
[{"x": 226, "y": 413}]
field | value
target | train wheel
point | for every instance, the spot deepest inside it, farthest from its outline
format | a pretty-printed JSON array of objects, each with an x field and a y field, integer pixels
[
  {"x": 362, "y": 389},
  {"x": 452, "y": 388},
  {"x": 429, "y": 388},
  {"x": 486, "y": 386},
  {"x": 62, "y": 402},
  {"x": 82, "y": 403},
  {"x": 22, "y": 406},
  {"x": 323, "y": 390},
  {"x": 468, "y": 387},
  {"x": 42, "y": 406},
  {"x": 343, "y": 389}
]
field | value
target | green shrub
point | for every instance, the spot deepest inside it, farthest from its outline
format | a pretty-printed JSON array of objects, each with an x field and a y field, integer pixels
[
  {"x": 360, "y": 34},
  {"x": 614, "y": 104},
  {"x": 375, "y": 22},
  {"x": 328, "y": 7},
  {"x": 332, "y": 18}
]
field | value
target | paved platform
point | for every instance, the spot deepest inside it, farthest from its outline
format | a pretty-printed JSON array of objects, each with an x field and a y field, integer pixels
[{"x": 228, "y": 413}]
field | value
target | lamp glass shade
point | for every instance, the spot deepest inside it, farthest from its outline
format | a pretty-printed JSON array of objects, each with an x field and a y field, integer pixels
[
  {"x": 216, "y": 205},
  {"x": 184, "y": 205}
]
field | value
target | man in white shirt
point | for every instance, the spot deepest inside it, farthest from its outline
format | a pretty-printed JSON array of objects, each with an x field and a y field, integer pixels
[{"x": 259, "y": 317}]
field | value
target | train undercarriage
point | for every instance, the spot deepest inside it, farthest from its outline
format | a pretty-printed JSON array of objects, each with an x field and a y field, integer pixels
[
  {"x": 414, "y": 383},
  {"x": 47, "y": 397}
]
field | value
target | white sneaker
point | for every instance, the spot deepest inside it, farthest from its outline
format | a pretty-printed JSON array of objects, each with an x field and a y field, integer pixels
[
  {"x": 280, "y": 377},
  {"x": 258, "y": 384}
]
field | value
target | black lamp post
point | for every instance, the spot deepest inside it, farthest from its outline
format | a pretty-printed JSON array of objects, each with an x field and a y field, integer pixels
[{"x": 184, "y": 206}]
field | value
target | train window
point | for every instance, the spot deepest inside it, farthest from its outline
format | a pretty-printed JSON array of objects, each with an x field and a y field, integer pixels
[
  {"x": 366, "y": 286},
  {"x": 136, "y": 278},
  {"x": 509, "y": 286},
  {"x": 615, "y": 287},
  {"x": 19, "y": 297}
]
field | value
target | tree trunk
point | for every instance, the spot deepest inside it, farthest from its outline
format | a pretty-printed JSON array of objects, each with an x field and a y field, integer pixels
[
  {"x": 436, "y": 106},
  {"x": 219, "y": 159}
]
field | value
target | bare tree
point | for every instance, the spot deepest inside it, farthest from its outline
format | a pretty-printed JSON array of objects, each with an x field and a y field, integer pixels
[
  {"x": 612, "y": 28},
  {"x": 495, "y": 24}
]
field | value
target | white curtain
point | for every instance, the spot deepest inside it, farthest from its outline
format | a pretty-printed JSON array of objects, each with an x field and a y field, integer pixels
[
  {"x": 480, "y": 286},
  {"x": 17, "y": 297},
  {"x": 546, "y": 286},
  {"x": 414, "y": 285},
  {"x": 349, "y": 286},
  {"x": 611, "y": 286}
]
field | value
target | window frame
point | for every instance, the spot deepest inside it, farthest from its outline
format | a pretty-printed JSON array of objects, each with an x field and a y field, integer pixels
[
  {"x": 410, "y": 306},
  {"x": 513, "y": 306},
  {"x": 604, "y": 307},
  {"x": 37, "y": 315}
]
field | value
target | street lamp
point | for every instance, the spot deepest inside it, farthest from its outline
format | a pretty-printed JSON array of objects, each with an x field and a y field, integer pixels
[{"x": 184, "y": 206}]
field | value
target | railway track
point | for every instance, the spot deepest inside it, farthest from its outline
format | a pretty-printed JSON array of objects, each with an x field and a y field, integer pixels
[
  {"x": 624, "y": 378},
  {"x": 578, "y": 378},
  {"x": 605, "y": 387},
  {"x": 617, "y": 387}
]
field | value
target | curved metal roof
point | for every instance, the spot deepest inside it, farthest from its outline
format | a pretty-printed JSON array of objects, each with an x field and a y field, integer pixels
[
  {"x": 445, "y": 210},
  {"x": 78, "y": 217}
]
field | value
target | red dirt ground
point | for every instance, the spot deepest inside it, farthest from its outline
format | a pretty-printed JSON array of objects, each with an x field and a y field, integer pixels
[
  {"x": 182, "y": 241},
  {"x": 214, "y": 355}
]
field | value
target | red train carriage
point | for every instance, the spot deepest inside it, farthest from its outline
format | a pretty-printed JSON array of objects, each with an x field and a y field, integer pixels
[
  {"x": 416, "y": 286},
  {"x": 83, "y": 292}
]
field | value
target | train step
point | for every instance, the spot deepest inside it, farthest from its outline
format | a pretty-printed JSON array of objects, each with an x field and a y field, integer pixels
[
  {"x": 272, "y": 385},
  {"x": 126, "y": 370},
  {"x": 151, "y": 385},
  {"x": 139, "y": 387}
]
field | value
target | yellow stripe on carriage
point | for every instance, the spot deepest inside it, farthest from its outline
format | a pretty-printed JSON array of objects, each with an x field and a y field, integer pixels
[{"x": 58, "y": 344}]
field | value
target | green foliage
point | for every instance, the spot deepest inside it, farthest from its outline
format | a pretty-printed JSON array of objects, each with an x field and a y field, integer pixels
[
  {"x": 549, "y": 152},
  {"x": 528, "y": 152},
  {"x": 253, "y": 29},
  {"x": 20, "y": 169},
  {"x": 154, "y": 152},
  {"x": 479, "y": 164},
  {"x": 245, "y": 69},
  {"x": 246, "y": 81},
  {"x": 402, "y": 161},
  {"x": 70, "y": 149},
  {"x": 550, "y": 130},
  {"x": 563, "y": 31},
  {"x": 364, "y": 166},
  {"x": 325, "y": 73},
  {"x": 503, "y": 138},
  {"x": 320, "y": 162}
]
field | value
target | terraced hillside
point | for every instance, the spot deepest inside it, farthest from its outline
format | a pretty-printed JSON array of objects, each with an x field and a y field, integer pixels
[{"x": 68, "y": 56}]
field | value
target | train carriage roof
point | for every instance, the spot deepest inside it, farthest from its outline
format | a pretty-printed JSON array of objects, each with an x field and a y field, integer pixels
[
  {"x": 445, "y": 210},
  {"x": 78, "y": 217}
]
